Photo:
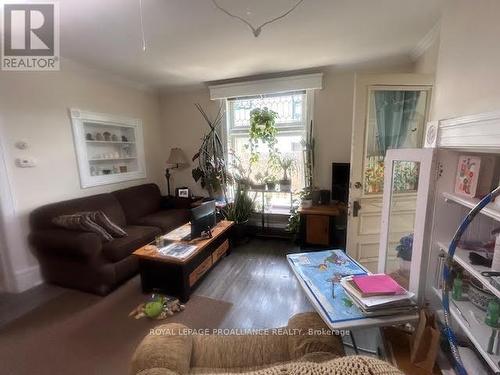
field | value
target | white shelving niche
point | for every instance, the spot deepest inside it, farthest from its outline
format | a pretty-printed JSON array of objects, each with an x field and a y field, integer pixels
[
  {"x": 109, "y": 148},
  {"x": 469, "y": 135}
]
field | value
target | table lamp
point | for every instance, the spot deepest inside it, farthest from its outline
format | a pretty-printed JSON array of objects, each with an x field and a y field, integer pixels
[{"x": 175, "y": 160}]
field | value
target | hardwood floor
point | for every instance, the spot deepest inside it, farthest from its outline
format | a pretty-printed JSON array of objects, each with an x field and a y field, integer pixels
[{"x": 257, "y": 280}]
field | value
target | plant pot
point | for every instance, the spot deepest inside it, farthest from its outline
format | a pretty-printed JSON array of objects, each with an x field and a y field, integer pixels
[
  {"x": 306, "y": 203},
  {"x": 316, "y": 197},
  {"x": 271, "y": 186},
  {"x": 240, "y": 233},
  {"x": 285, "y": 185}
]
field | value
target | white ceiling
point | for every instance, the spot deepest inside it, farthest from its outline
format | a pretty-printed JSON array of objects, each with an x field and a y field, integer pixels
[{"x": 190, "y": 41}]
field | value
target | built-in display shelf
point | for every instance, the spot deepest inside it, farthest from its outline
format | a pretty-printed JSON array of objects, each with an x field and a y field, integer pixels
[
  {"x": 110, "y": 142},
  {"x": 111, "y": 159},
  {"x": 462, "y": 258},
  {"x": 471, "y": 321},
  {"x": 491, "y": 210},
  {"x": 109, "y": 148}
]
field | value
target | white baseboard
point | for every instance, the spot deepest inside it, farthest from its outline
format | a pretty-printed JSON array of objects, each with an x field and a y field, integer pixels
[{"x": 27, "y": 278}]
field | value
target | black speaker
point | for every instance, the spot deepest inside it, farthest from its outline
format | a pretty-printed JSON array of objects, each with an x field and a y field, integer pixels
[
  {"x": 324, "y": 197},
  {"x": 340, "y": 181}
]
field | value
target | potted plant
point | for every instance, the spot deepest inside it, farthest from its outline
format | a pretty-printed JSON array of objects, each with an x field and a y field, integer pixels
[
  {"x": 259, "y": 184},
  {"x": 262, "y": 129},
  {"x": 302, "y": 199},
  {"x": 306, "y": 197},
  {"x": 211, "y": 171},
  {"x": 270, "y": 182},
  {"x": 239, "y": 211},
  {"x": 287, "y": 163}
]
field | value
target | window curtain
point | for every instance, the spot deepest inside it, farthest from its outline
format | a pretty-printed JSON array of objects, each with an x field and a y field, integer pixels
[{"x": 395, "y": 112}]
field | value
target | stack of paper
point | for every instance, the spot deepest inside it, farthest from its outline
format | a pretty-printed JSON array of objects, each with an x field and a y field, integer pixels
[{"x": 395, "y": 300}]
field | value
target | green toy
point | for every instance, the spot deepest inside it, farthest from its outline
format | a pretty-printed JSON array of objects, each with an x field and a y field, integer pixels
[{"x": 158, "y": 307}]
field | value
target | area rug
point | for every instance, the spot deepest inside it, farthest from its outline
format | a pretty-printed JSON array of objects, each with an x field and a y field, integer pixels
[{"x": 79, "y": 333}]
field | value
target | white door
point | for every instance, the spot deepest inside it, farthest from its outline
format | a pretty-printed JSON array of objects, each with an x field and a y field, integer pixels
[
  {"x": 390, "y": 112},
  {"x": 404, "y": 254}
]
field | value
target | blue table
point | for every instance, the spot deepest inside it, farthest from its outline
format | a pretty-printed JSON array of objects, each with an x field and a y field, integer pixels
[{"x": 318, "y": 273}]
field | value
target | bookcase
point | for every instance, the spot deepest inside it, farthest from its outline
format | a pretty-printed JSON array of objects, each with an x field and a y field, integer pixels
[
  {"x": 109, "y": 148},
  {"x": 477, "y": 135}
]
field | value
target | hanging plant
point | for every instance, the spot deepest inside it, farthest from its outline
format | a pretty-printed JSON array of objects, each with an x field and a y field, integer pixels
[{"x": 262, "y": 130}]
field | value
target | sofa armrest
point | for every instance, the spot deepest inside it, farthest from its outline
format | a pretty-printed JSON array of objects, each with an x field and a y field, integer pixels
[
  {"x": 312, "y": 336},
  {"x": 68, "y": 243},
  {"x": 167, "y": 347}
]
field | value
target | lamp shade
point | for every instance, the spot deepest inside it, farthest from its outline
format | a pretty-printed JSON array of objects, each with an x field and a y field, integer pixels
[{"x": 177, "y": 157}]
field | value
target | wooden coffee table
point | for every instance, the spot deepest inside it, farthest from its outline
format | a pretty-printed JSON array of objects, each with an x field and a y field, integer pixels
[{"x": 179, "y": 277}]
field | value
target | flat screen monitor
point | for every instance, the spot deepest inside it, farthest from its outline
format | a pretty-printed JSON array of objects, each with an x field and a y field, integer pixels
[{"x": 203, "y": 219}]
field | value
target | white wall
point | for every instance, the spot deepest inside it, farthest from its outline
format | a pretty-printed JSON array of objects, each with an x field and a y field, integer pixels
[
  {"x": 468, "y": 66},
  {"x": 333, "y": 107},
  {"x": 34, "y": 107}
]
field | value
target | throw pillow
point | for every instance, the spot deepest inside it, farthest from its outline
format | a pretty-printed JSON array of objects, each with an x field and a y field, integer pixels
[
  {"x": 83, "y": 223},
  {"x": 101, "y": 219}
]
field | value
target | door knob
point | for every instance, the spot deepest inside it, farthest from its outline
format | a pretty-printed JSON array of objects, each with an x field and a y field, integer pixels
[{"x": 358, "y": 185}]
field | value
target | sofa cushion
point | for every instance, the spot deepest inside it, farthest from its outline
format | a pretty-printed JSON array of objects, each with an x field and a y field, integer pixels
[
  {"x": 137, "y": 236},
  {"x": 83, "y": 223},
  {"x": 102, "y": 220},
  {"x": 41, "y": 218},
  {"x": 139, "y": 201},
  {"x": 167, "y": 220}
]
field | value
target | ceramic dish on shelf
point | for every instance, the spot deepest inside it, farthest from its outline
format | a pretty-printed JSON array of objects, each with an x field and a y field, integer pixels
[{"x": 479, "y": 296}]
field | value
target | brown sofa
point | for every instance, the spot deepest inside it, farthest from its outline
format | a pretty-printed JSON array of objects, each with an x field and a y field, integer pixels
[
  {"x": 82, "y": 260},
  {"x": 305, "y": 346}
]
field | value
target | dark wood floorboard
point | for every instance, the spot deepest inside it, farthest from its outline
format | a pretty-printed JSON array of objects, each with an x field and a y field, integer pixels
[{"x": 257, "y": 280}]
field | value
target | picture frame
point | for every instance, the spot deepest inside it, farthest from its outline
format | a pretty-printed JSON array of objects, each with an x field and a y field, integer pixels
[{"x": 182, "y": 192}]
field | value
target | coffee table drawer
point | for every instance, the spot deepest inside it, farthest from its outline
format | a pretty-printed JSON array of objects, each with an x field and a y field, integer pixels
[
  {"x": 220, "y": 251},
  {"x": 200, "y": 271}
]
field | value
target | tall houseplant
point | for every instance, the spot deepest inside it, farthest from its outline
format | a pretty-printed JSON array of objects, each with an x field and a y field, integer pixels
[
  {"x": 287, "y": 163},
  {"x": 211, "y": 170}
]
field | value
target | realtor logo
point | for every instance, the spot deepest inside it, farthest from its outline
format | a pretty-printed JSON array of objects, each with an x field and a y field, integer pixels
[{"x": 30, "y": 36}]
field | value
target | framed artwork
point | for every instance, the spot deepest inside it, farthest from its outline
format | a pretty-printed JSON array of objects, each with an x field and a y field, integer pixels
[{"x": 182, "y": 192}]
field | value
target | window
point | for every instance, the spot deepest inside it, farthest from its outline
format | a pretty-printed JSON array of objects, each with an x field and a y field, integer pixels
[
  {"x": 291, "y": 123},
  {"x": 396, "y": 120}
]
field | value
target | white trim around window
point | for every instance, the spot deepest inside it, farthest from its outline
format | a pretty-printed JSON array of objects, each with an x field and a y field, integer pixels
[{"x": 267, "y": 86}]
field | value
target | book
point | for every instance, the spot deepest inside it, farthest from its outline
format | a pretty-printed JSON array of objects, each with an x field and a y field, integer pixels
[
  {"x": 370, "y": 304},
  {"x": 177, "y": 250},
  {"x": 377, "y": 285},
  {"x": 179, "y": 233}
]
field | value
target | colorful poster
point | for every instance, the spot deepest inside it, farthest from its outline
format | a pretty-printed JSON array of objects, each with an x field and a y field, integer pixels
[{"x": 322, "y": 271}]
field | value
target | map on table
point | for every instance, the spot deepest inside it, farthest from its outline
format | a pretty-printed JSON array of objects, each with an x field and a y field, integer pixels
[{"x": 321, "y": 271}]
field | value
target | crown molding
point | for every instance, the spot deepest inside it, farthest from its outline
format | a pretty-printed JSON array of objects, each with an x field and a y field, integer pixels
[{"x": 426, "y": 41}]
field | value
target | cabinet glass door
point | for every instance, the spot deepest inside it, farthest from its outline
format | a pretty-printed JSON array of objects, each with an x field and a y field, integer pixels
[{"x": 404, "y": 238}]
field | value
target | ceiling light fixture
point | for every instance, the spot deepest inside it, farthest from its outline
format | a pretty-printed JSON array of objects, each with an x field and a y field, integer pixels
[{"x": 256, "y": 30}]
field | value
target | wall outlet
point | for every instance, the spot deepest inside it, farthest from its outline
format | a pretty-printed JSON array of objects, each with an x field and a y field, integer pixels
[{"x": 25, "y": 162}]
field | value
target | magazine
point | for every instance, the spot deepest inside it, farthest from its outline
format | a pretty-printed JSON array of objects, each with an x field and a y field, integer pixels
[{"x": 177, "y": 250}]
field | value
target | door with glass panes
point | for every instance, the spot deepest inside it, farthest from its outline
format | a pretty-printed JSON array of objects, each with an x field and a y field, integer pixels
[
  {"x": 390, "y": 113},
  {"x": 404, "y": 256}
]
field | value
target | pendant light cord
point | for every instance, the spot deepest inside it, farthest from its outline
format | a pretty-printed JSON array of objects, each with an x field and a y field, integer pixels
[{"x": 142, "y": 27}]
